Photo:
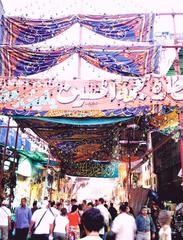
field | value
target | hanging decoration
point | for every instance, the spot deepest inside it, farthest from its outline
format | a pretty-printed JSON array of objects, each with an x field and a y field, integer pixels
[
  {"x": 126, "y": 61},
  {"x": 163, "y": 121},
  {"x": 22, "y": 61},
  {"x": 91, "y": 169},
  {"x": 120, "y": 112},
  {"x": 77, "y": 143},
  {"x": 88, "y": 147},
  {"x": 53, "y": 95},
  {"x": 126, "y": 27},
  {"x": 19, "y": 31},
  {"x": 133, "y": 61},
  {"x": 167, "y": 123},
  {"x": 80, "y": 169}
]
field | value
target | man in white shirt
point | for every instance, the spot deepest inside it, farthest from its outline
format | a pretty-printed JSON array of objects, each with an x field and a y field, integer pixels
[
  {"x": 105, "y": 213},
  {"x": 43, "y": 220},
  {"x": 124, "y": 225},
  {"x": 5, "y": 220}
]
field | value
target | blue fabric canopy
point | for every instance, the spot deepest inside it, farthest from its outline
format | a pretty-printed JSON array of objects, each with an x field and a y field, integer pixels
[{"x": 75, "y": 121}]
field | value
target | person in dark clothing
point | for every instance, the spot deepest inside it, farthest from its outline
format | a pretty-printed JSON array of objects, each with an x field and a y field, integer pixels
[
  {"x": 34, "y": 207},
  {"x": 110, "y": 236},
  {"x": 156, "y": 223},
  {"x": 113, "y": 211}
]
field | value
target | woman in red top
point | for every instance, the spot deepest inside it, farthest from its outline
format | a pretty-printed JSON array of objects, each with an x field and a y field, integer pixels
[{"x": 74, "y": 221}]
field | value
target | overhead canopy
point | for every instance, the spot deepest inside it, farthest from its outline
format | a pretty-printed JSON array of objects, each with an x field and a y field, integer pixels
[{"x": 92, "y": 141}]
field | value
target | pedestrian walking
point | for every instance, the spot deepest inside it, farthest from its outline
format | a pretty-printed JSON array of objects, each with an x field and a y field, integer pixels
[
  {"x": 61, "y": 228},
  {"x": 42, "y": 223},
  {"x": 93, "y": 221},
  {"x": 124, "y": 225},
  {"x": 145, "y": 225},
  {"x": 165, "y": 230},
  {"x": 34, "y": 207},
  {"x": 23, "y": 216},
  {"x": 113, "y": 211},
  {"x": 104, "y": 211},
  {"x": 5, "y": 220},
  {"x": 74, "y": 221}
]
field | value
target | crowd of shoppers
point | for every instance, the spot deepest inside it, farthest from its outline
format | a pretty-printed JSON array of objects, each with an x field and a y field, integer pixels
[{"x": 86, "y": 221}]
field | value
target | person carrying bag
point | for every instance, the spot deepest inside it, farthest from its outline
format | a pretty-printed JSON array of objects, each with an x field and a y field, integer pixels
[
  {"x": 34, "y": 226},
  {"x": 41, "y": 225}
]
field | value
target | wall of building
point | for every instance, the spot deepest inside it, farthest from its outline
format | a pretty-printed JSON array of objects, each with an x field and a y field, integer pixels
[{"x": 167, "y": 164}]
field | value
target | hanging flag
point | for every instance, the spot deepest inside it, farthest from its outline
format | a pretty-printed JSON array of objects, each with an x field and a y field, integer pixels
[
  {"x": 18, "y": 30},
  {"x": 125, "y": 27},
  {"x": 15, "y": 61},
  {"x": 126, "y": 61}
]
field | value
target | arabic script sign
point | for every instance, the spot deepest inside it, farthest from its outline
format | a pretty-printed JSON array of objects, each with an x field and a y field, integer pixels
[{"x": 47, "y": 95}]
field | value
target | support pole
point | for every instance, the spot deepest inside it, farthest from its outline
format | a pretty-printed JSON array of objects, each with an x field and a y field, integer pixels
[
  {"x": 16, "y": 143},
  {"x": 4, "y": 158},
  {"x": 181, "y": 142},
  {"x": 46, "y": 177},
  {"x": 177, "y": 61},
  {"x": 151, "y": 166},
  {"x": 129, "y": 175},
  {"x": 80, "y": 43},
  {"x": 14, "y": 165}
]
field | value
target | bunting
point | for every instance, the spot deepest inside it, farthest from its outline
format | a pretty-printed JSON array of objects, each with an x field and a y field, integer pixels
[
  {"x": 126, "y": 61},
  {"x": 16, "y": 61},
  {"x": 18, "y": 31},
  {"x": 126, "y": 27}
]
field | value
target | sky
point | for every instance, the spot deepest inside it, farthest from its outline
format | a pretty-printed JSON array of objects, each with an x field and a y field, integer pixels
[
  {"x": 61, "y": 7},
  {"x": 45, "y": 9}
]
